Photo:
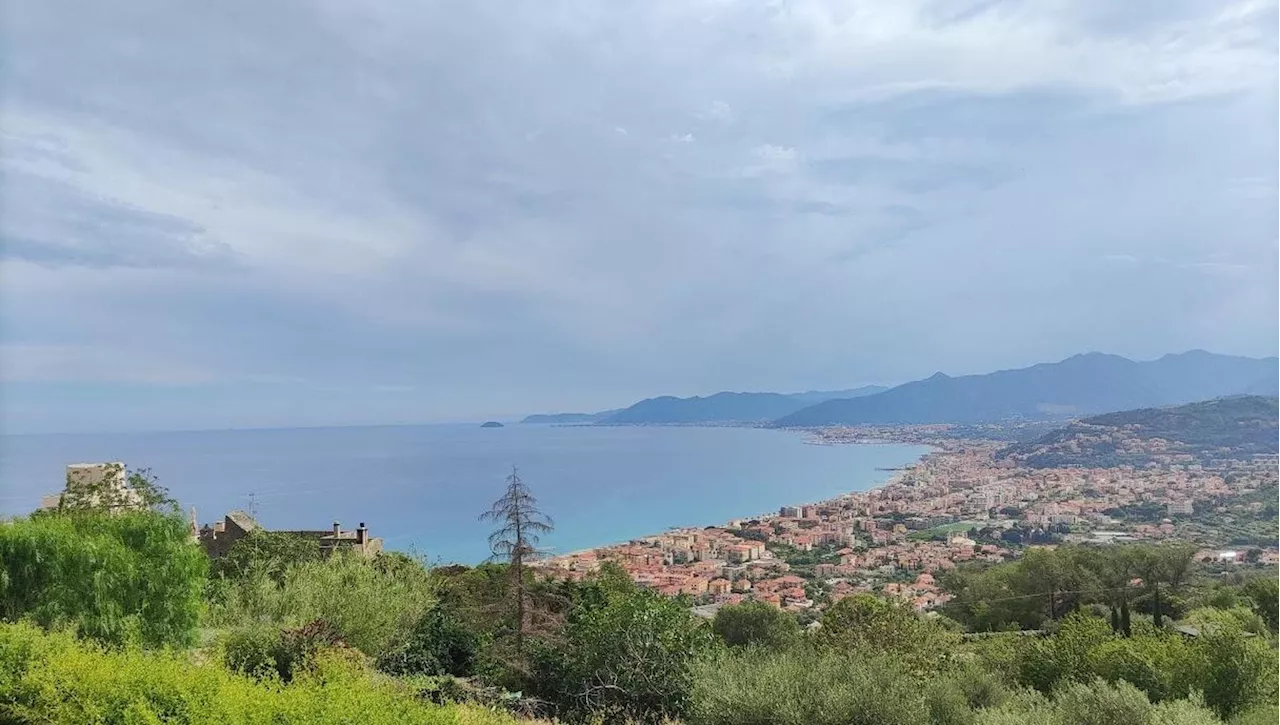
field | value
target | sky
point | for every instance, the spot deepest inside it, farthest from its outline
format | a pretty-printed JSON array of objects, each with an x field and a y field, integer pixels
[{"x": 320, "y": 212}]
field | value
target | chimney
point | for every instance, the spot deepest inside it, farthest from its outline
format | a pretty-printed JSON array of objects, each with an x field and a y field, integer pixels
[
  {"x": 337, "y": 531},
  {"x": 361, "y": 534}
]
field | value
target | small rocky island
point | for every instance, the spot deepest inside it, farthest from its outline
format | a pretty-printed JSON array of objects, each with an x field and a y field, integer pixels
[{"x": 491, "y": 424}]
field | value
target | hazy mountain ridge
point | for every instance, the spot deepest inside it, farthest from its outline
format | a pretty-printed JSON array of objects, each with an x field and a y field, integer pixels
[
  {"x": 1080, "y": 385},
  {"x": 723, "y": 407},
  {"x": 566, "y": 418},
  {"x": 1226, "y": 428}
]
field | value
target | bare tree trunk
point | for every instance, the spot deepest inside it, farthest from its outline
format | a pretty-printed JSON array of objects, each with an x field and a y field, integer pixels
[{"x": 517, "y": 566}]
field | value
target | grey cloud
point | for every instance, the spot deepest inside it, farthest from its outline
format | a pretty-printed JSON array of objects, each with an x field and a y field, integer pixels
[
  {"x": 55, "y": 224},
  {"x": 438, "y": 195}
]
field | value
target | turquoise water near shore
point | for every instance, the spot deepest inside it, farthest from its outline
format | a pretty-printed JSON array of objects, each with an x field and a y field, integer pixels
[{"x": 422, "y": 488}]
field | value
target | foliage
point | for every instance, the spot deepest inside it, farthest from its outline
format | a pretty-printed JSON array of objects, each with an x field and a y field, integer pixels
[
  {"x": 111, "y": 577},
  {"x": 1264, "y": 596},
  {"x": 1238, "y": 672},
  {"x": 629, "y": 655},
  {"x": 1098, "y": 703},
  {"x": 520, "y": 525},
  {"x": 1262, "y": 714},
  {"x": 268, "y": 552},
  {"x": 1242, "y": 618},
  {"x": 373, "y": 603},
  {"x": 264, "y": 651},
  {"x": 51, "y": 678},
  {"x": 438, "y": 645},
  {"x": 804, "y": 686},
  {"x": 870, "y": 625},
  {"x": 115, "y": 492},
  {"x": 1047, "y": 584},
  {"x": 756, "y": 623}
]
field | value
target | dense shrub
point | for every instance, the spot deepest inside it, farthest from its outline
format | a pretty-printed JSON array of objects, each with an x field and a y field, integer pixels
[
  {"x": 1264, "y": 596},
  {"x": 804, "y": 686},
  {"x": 630, "y": 656},
  {"x": 371, "y": 603},
  {"x": 438, "y": 645},
  {"x": 1099, "y": 703},
  {"x": 51, "y": 678},
  {"x": 271, "y": 553},
  {"x": 265, "y": 651},
  {"x": 1263, "y": 714},
  {"x": 110, "y": 577},
  {"x": 870, "y": 625},
  {"x": 756, "y": 623},
  {"x": 1237, "y": 672}
]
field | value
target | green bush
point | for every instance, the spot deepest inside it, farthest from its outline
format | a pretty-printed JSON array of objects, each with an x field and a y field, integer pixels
[
  {"x": 1238, "y": 672},
  {"x": 756, "y": 623},
  {"x": 438, "y": 645},
  {"x": 255, "y": 651},
  {"x": 271, "y": 553},
  {"x": 264, "y": 651},
  {"x": 53, "y": 679},
  {"x": 371, "y": 603},
  {"x": 1099, "y": 703},
  {"x": 1063, "y": 658},
  {"x": 630, "y": 657},
  {"x": 1184, "y": 712},
  {"x": 1264, "y": 597},
  {"x": 1161, "y": 664},
  {"x": 871, "y": 625},
  {"x": 1264, "y": 714},
  {"x": 804, "y": 686},
  {"x": 111, "y": 578}
]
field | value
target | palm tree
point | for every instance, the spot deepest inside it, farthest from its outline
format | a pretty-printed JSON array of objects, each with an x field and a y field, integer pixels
[{"x": 515, "y": 540}]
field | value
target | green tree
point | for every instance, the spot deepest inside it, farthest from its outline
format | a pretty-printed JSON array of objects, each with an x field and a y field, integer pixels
[
  {"x": 1264, "y": 594},
  {"x": 867, "y": 624},
  {"x": 805, "y": 686},
  {"x": 111, "y": 576},
  {"x": 1115, "y": 568},
  {"x": 438, "y": 645},
  {"x": 269, "y": 552},
  {"x": 1239, "y": 672},
  {"x": 630, "y": 657},
  {"x": 373, "y": 603},
  {"x": 756, "y": 624},
  {"x": 520, "y": 526},
  {"x": 1163, "y": 570}
]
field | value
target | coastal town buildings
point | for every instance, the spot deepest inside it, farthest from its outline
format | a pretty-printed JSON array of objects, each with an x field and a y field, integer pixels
[{"x": 896, "y": 539}]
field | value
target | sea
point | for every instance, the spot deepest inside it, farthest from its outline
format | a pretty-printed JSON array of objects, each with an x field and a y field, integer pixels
[{"x": 422, "y": 488}]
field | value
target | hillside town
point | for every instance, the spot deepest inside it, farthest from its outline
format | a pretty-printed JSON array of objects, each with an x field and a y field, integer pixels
[{"x": 959, "y": 504}]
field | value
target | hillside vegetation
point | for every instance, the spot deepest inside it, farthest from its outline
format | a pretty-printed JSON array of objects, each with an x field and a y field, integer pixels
[
  {"x": 1228, "y": 428},
  {"x": 285, "y": 636}
]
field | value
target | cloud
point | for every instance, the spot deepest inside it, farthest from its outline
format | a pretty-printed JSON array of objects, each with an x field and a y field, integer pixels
[{"x": 572, "y": 204}]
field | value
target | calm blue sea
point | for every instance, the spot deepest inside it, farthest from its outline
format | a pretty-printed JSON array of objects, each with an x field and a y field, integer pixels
[{"x": 421, "y": 488}]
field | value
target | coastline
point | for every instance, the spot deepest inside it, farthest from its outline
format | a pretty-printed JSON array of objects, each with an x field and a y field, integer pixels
[{"x": 812, "y": 437}]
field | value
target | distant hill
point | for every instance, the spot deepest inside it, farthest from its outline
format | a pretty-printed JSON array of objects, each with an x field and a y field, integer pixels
[
  {"x": 726, "y": 407},
  {"x": 1266, "y": 386},
  {"x": 1234, "y": 427},
  {"x": 1080, "y": 385},
  {"x": 566, "y": 418}
]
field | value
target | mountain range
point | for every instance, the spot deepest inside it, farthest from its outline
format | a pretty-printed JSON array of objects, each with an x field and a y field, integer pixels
[
  {"x": 720, "y": 408},
  {"x": 1081, "y": 385}
]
